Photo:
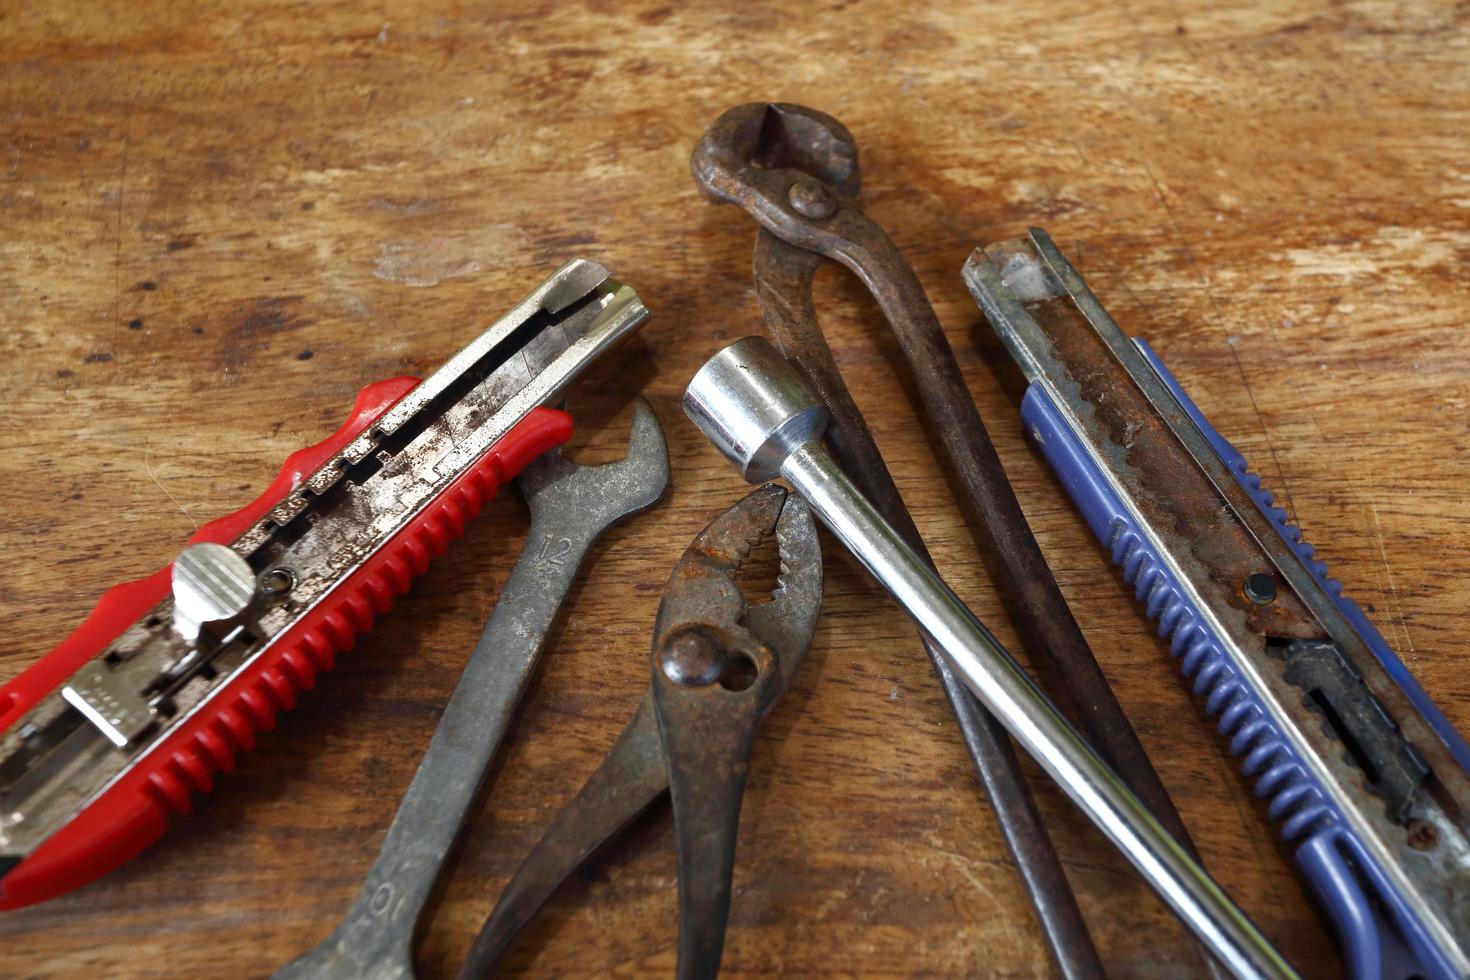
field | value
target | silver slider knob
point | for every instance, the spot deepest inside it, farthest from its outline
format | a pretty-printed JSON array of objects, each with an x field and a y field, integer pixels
[{"x": 211, "y": 584}]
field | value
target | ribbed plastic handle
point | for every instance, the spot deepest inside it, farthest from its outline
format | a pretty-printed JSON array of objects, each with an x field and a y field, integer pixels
[
  {"x": 1266, "y": 503},
  {"x": 134, "y": 811},
  {"x": 1376, "y": 931}
]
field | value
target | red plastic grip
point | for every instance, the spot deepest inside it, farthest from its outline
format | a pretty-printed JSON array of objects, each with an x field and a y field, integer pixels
[{"x": 134, "y": 811}]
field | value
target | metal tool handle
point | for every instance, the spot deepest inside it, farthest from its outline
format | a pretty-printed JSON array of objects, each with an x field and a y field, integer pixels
[
  {"x": 1004, "y": 688},
  {"x": 783, "y": 282},
  {"x": 708, "y": 734},
  {"x": 629, "y": 780},
  {"x": 376, "y": 936},
  {"x": 754, "y": 407}
]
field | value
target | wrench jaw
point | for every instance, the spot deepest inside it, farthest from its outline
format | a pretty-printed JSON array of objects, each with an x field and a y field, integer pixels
[{"x": 631, "y": 485}]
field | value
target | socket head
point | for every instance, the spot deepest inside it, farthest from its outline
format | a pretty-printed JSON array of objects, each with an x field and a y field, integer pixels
[{"x": 750, "y": 402}]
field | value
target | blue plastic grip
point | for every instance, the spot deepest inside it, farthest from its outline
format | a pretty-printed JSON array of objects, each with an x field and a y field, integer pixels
[
  {"x": 1292, "y": 535},
  {"x": 1377, "y": 933}
]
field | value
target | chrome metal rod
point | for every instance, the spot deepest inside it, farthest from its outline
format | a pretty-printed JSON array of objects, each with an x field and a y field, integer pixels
[{"x": 754, "y": 407}]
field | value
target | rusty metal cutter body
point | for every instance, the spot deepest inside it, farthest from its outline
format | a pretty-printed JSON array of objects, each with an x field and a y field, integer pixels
[{"x": 718, "y": 666}]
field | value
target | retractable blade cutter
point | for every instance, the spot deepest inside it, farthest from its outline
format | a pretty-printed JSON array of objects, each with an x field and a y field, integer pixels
[
  {"x": 1368, "y": 780},
  {"x": 171, "y": 676}
]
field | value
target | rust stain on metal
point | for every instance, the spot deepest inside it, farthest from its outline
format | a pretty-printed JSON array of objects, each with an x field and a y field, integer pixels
[{"x": 1171, "y": 486}]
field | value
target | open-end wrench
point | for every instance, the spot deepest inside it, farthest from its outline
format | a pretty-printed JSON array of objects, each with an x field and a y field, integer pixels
[{"x": 571, "y": 507}]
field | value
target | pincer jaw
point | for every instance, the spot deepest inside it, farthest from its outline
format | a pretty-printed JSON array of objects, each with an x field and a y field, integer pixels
[{"x": 743, "y": 152}]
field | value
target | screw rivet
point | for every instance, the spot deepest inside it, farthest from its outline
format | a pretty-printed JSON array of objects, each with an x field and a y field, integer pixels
[
  {"x": 692, "y": 658},
  {"x": 812, "y": 199},
  {"x": 1260, "y": 588},
  {"x": 277, "y": 582},
  {"x": 1421, "y": 835}
]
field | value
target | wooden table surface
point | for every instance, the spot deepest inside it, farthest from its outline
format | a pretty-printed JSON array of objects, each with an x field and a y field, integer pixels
[{"x": 221, "y": 219}]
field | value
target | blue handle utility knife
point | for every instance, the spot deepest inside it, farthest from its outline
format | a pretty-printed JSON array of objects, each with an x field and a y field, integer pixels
[{"x": 1369, "y": 782}]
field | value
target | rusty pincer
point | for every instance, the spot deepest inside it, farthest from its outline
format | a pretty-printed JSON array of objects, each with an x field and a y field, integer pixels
[{"x": 795, "y": 171}]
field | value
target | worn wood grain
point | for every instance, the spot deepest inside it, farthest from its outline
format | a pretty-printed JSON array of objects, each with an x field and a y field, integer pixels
[{"x": 221, "y": 219}]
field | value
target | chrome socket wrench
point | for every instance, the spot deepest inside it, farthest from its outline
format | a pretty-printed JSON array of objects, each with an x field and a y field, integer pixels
[{"x": 756, "y": 410}]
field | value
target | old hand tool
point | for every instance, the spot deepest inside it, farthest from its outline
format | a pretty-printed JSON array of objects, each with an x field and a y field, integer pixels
[
  {"x": 813, "y": 158},
  {"x": 754, "y": 407},
  {"x": 571, "y": 507},
  {"x": 1365, "y": 773},
  {"x": 174, "y": 674},
  {"x": 795, "y": 170},
  {"x": 718, "y": 666},
  {"x": 814, "y": 147}
]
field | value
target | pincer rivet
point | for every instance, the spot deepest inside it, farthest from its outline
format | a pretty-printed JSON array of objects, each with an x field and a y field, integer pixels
[{"x": 812, "y": 199}]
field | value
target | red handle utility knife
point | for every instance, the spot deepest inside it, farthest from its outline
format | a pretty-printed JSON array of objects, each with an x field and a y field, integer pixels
[{"x": 173, "y": 674}]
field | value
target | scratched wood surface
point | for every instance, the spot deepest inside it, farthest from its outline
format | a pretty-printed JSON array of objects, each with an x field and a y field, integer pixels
[{"x": 221, "y": 219}]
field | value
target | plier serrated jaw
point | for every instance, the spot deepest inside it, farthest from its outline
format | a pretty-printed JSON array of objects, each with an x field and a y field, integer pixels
[{"x": 704, "y": 614}]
